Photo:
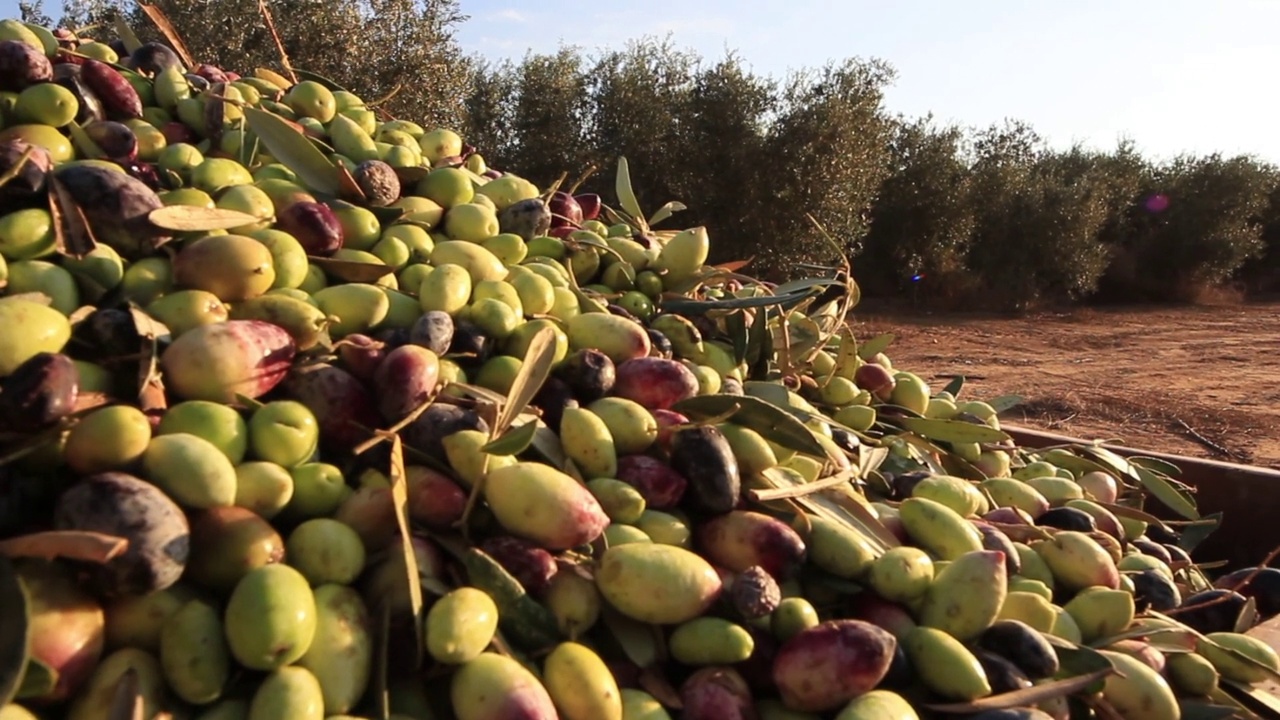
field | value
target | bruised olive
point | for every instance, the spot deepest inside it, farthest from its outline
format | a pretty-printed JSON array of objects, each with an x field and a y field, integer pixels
[
  {"x": 589, "y": 373},
  {"x": 427, "y": 432},
  {"x": 1152, "y": 589},
  {"x": 153, "y": 57},
  {"x": 70, "y": 77},
  {"x": 703, "y": 456},
  {"x": 22, "y": 66},
  {"x": 40, "y": 392},
  {"x": 1211, "y": 611},
  {"x": 1067, "y": 518},
  {"x": 124, "y": 506}
]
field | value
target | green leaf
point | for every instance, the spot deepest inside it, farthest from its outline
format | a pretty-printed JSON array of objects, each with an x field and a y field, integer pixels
[
  {"x": 39, "y": 680},
  {"x": 1252, "y": 697},
  {"x": 15, "y": 631},
  {"x": 761, "y": 347},
  {"x": 736, "y": 325},
  {"x": 350, "y": 270},
  {"x": 1161, "y": 487},
  {"x": 547, "y": 444},
  {"x": 514, "y": 441},
  {"x": 85, "y": 144},
  {"x": 951, "y": 431},
  {"x": 1174, "y": 498},
  {"x": 400, "y": 497},
  {"x": 382, "y": 665},
  {"x": 635, "y": 639},
  {"x": 772, "y": 422},
  {"x": 192, "y": 218},
  {"x": 805, "y": 284},
  {"x": 317, "y": 77},
  {"x": 1192, "y": 534},
  {"x": 666, "y": 211},
  {"x": 877, "y": 344},
  {"x": 1201, "y": 710},
  {"x": 1033, "y": 695},
  {"x": 1156, "y": 465},
  {"x": 955, "y": 386},
  {"x": 1004, "y": 403},
  {"x": 294, "y": 150},
  {"x": 529, "y": 624},
  {"x": 1135, "y": 514},
  {"x": 126, "y": 34},
  {"x": 698, "y": 307},
  {"x": 626, "y": 196},
  {"x": 538, "y": 360},
  {"x": 387, "y": 215},
  {"x": 1075, "y": 659}
]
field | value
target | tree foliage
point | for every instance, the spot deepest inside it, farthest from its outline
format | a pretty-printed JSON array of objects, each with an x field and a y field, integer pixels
[
  {"x": 965, "y": 216},
  {"x": 402, "y": 52}
]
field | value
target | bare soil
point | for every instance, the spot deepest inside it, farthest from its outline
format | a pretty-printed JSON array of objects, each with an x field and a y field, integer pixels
[{"x": 1196, "y": 381}]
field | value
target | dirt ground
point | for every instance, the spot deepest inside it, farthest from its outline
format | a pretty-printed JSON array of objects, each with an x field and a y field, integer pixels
[{"x": 1197, "y": 381}]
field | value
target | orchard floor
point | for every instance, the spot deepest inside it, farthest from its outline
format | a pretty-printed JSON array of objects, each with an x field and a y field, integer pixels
[{"x": 1196, "y": 381}]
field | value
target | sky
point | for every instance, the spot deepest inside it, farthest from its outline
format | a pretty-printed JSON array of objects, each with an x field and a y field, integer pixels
[{"x": 1173, "y": 75}]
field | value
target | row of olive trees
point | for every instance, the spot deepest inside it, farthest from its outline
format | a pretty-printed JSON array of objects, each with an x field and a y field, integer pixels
[
  {"x": 990, "y": 216},
  {"x": 952, "y": 215}
]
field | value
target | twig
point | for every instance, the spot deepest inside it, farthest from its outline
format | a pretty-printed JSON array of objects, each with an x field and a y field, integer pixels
[
  {"x": 1224, "y": 598},
  {"x": 271, "y": 26},
  {"x": 1206, "y": 442}
]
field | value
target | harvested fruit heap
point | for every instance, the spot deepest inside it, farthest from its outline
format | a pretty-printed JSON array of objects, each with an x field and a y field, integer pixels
[{"x": 307, "y": 414}]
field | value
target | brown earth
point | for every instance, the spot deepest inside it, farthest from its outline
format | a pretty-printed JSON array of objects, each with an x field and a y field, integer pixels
[{"x": 1196, "y": 381}]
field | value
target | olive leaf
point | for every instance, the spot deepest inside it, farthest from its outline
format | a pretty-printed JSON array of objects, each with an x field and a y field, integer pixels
[
  {"x": 1200, "y": 710},
  {"x": 38, "y": 680},
  {"x": 1193, "y": 533},
  {"x": 15, "y": 631},
  {"x": 627, "y": 196},
  {"x": 538, "y": 361},
  {"x": 166, "y": 29},
  {"x": 292, "y": 149},
  {"x": 332, "y": 85},
  {"x": 1033, "y": 695},
  {"x": 634, "y": 638},
  {"x": 951, "y": 431},
  {"x": 400, "y": 497},
  {"x": 772, "y": 422},
  {"x": 192, "y": 218},
  {"x": 547, "y": 443},
  {"x": 530, "y": 624},
  {"x": 513, "y": 441},
  {"x": 736, "y": 325},
  {"x": 666, "y": 211},
  {"x": 1163, "y": 488},
  {"x": 955, "y": 386},
  {"x": 382, "y": 666},
  {"x": 1005, "y": 403},
  {"x": 1163, "y": 467},
  {"x": 126, "y": 34},
  {"x": 350, "y": 270},
  {"x": 875, "y": 345},
  {"x": 85, "y": 144},
  {"x": 1253, "y": 697}
]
